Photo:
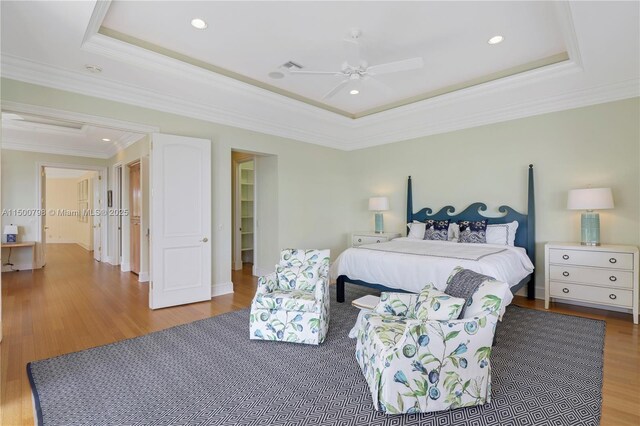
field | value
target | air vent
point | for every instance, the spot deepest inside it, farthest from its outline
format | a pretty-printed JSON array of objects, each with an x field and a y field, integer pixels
[{"x": 292, "y": 66}]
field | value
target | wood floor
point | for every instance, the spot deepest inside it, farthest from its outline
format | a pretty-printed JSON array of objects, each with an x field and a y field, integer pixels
[{"x": 76, "y": 303}]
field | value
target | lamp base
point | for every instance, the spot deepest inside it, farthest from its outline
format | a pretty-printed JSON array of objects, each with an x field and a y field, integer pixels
[
  {"x": 379, "y": 224},
  {"x": 590, "y": 229}
]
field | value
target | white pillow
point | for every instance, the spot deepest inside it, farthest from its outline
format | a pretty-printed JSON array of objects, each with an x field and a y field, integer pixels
[
  {"x": 416, "y": 230},
  {"x": 504, "y": 233},
  {"x": 454, "y": 232}
]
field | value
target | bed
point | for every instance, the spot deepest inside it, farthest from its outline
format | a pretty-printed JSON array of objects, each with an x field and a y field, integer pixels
[{"x": 406, "y": 265}]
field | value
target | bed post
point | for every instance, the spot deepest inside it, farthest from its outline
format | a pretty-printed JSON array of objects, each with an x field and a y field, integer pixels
[
  {"x": 409, "y": 201},
  {"x": 531, "y": 234},
  {"x": 340, "y": 289}
]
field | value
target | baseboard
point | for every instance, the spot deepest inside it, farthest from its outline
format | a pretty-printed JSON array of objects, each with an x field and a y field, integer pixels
[
  {"x": 143, "y": 277},
  {"x": 85, "y": 246},
  {"x": 260, "y": 272},
  {"x": 16, "y": 268},
  {"x": 221, "y": 288},
  {"x": 125, "y": 267}
]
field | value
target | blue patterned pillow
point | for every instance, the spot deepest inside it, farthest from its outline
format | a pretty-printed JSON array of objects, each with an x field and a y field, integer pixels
[
  {"x": 473, "y": 231},
  {"x": 437, "y": 230}
]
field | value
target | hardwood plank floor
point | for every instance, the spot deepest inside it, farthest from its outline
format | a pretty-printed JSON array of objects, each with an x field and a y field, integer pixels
[{"x": 76, "y": 303}]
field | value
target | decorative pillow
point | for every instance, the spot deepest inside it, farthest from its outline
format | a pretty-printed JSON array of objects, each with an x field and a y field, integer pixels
[
  {"x": 489, "y": 295},
  {"x": 473, "y": 231},
  {"x": 503, "y": 233},
  {"x": 396, "y": 304},
  {"x": 454, "y": 232},
  {"x": 298, "y": 277},
  {"x": 416, "y": 230},
  {"x": 436, "y": 230},
  {"x": 463, "y": 283},
  {"x": 433, "y": 304}
]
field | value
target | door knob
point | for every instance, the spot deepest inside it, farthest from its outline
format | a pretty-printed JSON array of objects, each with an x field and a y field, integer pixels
[{"x": 204, "y": 240}]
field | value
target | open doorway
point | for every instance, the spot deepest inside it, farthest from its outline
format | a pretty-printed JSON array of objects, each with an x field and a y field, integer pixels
[
  {"x": 71, "y": 196},
  {"x": 244, "y": 199}
]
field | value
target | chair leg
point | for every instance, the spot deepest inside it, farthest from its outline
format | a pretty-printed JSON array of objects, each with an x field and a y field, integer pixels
[{"x": 340, "y": 289}]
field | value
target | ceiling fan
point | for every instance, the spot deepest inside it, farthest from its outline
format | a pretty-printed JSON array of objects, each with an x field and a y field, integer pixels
[{"x": 356, "y": 71}]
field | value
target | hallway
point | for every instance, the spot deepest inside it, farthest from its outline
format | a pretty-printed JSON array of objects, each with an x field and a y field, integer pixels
[{"x": 76, "y": 303}]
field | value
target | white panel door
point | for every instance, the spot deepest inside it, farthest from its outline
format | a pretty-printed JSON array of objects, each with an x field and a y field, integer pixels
[{"x": 180, "y": 219}]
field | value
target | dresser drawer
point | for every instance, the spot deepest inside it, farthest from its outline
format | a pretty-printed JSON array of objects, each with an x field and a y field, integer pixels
[
  {"x": 600, "y": 259},
  {"x": 607, "y": 296},
  {"x": 604, "y": 277},
  {"x": 359, "y": 240}
]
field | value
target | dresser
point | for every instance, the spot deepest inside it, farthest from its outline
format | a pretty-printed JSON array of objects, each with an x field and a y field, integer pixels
[
  {"x": 360, "y": 238},
  {"x": 606, "y": 275}
]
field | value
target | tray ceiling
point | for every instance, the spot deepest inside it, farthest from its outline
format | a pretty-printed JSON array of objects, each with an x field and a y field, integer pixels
[
  {"x": 151, "y": 57},
  {"x": 248, "y": 41}
]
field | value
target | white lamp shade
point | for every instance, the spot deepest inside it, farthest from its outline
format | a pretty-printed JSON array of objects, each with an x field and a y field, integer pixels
[
  {"x": 11, "y": 230},
  {"x": 378, "y": 204},
  {"x": 590, "y": 199}
]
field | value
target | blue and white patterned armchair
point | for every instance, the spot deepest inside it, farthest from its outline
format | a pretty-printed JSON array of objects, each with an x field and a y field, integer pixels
[
  {"x": 414, "y": 365},
  {"x": 292, "y": 304}
]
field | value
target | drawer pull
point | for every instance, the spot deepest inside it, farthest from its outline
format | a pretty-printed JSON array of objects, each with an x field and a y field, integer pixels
[
  {"x": 377, "y": 241},
  {"x": 613, "y": 278},
  {"x": 565, "y": 256},
  {"x": 565, "y": 290},
  {"x": 359, "y": 240},
  {"x": 565, "y": 274},
  {"x": 613, "y": 297},
  {"x": 613, "y": 260}
]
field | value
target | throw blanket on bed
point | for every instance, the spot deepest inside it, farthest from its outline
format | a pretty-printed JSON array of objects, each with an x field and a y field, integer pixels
[{"x": 473, "y": 252}]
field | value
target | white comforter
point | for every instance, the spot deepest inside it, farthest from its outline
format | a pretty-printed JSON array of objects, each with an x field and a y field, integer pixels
[{"x": 409, "y": 264}]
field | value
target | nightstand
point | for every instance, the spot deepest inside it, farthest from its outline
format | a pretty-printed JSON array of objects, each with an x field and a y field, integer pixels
[
  {"x": 605, "y": 275},
  {"x": 360, "y": 238}
]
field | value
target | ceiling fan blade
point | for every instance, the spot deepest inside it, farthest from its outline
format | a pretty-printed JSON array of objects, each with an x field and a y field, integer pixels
[
  {"x": 378, "y": 85},
  {"x": 404, "y": 65},
  {"x": 316, "y": 72},
  {"x": 352, "y": 48},
  {"x": 336, "y": 89}
]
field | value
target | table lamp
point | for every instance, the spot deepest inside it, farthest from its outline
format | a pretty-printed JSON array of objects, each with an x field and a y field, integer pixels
[
  {"x": 590, "y": 199},
  {"x": 378, "y": 205},
  {"x": 11, "y": 231}
]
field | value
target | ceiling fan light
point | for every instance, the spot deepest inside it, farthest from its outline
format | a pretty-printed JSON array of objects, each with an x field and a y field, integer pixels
[
  {"x": 354, "y": 91},
  {"x": 496, "y": 39},
  {"x": 199, "y": 24}
]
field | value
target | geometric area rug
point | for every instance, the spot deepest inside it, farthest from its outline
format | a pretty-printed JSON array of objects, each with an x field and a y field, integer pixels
[{"x": 546, "y": 369}]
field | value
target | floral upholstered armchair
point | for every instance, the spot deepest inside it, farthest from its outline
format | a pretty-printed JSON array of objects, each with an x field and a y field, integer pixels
[
  {"x": 415, "y": 364},
  {"x": 292, "y": 304}
]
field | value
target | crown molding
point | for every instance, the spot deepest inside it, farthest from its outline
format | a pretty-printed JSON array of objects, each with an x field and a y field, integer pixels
[
  {"x": 16, "y": 145},
  {"x": 72, "y": 81},
  {"x": 61, "y": 114},
  {"x": 570, "y": 100}
]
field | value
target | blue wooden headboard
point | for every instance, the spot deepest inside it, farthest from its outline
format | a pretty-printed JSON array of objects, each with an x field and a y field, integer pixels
[{"x": 525, "y": 235}]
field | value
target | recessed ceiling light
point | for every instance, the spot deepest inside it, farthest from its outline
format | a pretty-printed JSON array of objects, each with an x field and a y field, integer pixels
[
  {"x": 199, "y": 24},
  {"x": 106, "y": 139},
  {"x": 354, "y": 92},
  {"x": 93, "y": 68},
  {"x": 276, "y": 75},
  {"x": 495, "y": 39}
]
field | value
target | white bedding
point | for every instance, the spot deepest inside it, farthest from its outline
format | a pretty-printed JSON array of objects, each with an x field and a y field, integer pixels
[{"x": 410, "y": 264}]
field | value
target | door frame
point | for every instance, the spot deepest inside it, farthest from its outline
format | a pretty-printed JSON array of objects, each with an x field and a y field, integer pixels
[
  {"x": 117, "y": 185},
  {"x": 236, "y": 240},
  {"x": 102, "y": 176}
]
